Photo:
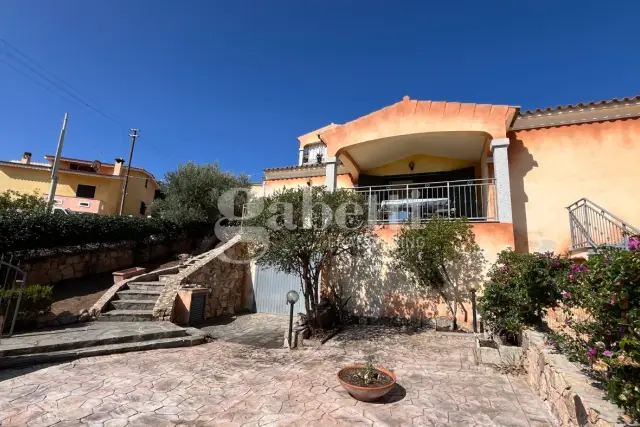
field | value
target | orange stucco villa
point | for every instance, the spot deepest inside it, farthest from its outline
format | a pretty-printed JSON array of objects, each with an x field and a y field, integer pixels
[{"x": 514, "y": 174}]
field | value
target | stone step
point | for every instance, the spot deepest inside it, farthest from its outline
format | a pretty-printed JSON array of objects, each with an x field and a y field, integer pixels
[
  {"x": 146, "y": 286},
  {"x": 126, "y": 315},
  {"x": 139, "y": 294},
  {"x": 165, "y": 277},
  {"x": 100, "y": 350},
  {"x": 88, "y": 335},
  {"x": 134, "y": 304}
]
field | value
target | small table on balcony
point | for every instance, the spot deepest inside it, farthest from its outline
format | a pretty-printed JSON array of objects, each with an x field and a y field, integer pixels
[{"x": 399, "y": 210}]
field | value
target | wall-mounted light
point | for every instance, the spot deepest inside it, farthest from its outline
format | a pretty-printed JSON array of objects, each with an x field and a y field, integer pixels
[{"x": 411, "y": 165}]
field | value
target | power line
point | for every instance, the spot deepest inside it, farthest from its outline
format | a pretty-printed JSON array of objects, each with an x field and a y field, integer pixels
[
  {"x": 66, "y": 91},
  {"x": 37, "y": 64},
  {"x": 77, "y": 96}
]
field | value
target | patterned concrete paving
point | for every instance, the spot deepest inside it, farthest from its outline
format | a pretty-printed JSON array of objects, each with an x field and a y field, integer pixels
[
  {"x": 258, "y": 330},
  {"x": 225, "y": 383}
]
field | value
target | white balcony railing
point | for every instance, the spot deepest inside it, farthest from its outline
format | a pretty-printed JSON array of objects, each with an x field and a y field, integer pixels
[{"x": 473, "y": 199}]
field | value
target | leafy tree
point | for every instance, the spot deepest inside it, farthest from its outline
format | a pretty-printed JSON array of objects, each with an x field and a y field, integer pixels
[
  {"x": 302, "y": 231},
  {"x": 12, "y": 200},
  {"x": 429, "y": 254},
  {"x": 192, "y": 193}
]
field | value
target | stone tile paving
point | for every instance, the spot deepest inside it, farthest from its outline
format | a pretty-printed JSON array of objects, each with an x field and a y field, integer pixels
[
  {"x": 259, "y": 330},
  {"x": 225, "y": 383},
  {"x": 82, "y": 332}
]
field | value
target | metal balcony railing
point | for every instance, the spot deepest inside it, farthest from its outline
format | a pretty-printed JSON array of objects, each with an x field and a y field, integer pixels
[
  {"x": 592, "y": 226},
  {"x": 473, "y": 199}
]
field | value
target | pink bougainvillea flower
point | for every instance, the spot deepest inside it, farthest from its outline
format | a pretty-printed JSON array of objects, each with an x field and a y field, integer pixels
[
  {"x": 572, "y": 277},
  {"x": 618, "y": 284},
  {"x": 612, "y": 301},
  {"x": 566, "y": 295},
  {"x": 634, "y": 243},
  {"x": 592, "y": 353},
  {"x": 607, "y": 353}
]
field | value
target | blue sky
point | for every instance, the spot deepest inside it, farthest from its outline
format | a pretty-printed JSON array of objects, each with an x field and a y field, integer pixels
[{"x": 238, "y": 81}]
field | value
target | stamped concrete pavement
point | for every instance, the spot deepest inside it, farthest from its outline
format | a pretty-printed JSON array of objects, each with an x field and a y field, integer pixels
[
  {"x": 263, "y": 330},
  {"x": 226, "y": 383}
]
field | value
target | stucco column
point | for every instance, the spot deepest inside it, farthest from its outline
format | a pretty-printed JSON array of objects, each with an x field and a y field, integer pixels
[
  {"x": 331, "y": 173},
  {"x": 501, "y": 172},
  {"x": 300, "y": 156}
]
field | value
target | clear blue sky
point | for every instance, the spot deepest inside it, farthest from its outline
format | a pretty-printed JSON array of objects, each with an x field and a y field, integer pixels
[{"x": 238, "y": 81}]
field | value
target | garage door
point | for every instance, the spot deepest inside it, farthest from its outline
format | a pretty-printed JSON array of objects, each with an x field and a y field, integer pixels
[{"x": 270, "y": 291}]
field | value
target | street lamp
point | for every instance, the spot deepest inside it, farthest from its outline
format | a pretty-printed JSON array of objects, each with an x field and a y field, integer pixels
[{"x": 292, "y": 299}]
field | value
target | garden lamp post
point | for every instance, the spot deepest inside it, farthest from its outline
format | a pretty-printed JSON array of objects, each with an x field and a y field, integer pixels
[{"x": 292, "y": 299}]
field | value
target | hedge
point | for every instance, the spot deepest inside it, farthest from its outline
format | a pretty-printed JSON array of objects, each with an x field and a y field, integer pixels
[{"x": 27, "y": 234}]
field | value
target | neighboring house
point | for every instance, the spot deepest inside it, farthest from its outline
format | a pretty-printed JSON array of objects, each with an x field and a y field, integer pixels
[
  {"x": 512, "y": 173},
  {"x": 84, "y": 185}
]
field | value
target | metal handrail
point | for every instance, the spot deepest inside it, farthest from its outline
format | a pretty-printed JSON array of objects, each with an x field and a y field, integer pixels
[
  {"x": 591, "y": 225},
  {"x": 473, "y": 199},
  {"x": 430, "y": 184}
]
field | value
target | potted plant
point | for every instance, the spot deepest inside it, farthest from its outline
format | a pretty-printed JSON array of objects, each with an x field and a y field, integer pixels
[{"x": 366, "y": 382}]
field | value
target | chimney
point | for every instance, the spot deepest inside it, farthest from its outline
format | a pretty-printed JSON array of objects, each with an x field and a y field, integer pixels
[
  {"x": 26, "y": 158},
  {"x": 117, "y": 169}
]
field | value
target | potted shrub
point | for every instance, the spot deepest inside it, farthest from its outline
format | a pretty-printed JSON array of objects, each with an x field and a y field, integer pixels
[{"x": 366, "y": 382}]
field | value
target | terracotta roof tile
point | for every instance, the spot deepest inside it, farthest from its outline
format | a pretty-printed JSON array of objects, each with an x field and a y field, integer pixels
[{"x": 583, "y": 105}]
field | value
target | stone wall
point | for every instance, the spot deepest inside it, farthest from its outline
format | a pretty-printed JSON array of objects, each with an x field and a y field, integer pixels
[
  {"x": 59, "y": 267},
  {"x": 568, "y": 393},
  {"x": 214, "y": 271}
]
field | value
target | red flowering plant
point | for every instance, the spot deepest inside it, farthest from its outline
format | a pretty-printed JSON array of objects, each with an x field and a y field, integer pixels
[{"x": 607, "y": 288}]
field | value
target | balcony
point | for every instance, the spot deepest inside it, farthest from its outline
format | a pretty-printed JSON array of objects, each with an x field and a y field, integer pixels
[
  {"x": 79, "y": 204},
  {"x": 473, "y": 199}
]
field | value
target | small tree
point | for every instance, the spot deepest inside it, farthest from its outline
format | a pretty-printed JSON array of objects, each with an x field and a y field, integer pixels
[
  {"x": 192, "y": 192},
  {"x": 429, "y": 254},
  {"x": 11, "y": 200},
  {"x": 301, "y": 231}
]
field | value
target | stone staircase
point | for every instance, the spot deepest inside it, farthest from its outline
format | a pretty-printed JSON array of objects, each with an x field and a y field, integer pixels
[{"x": 134, "y": 302}]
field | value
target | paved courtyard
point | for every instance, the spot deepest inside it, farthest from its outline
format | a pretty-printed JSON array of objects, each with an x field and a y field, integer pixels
[
  {"x": 226, "y": 383},
  {"x": 258, "y": 330}
]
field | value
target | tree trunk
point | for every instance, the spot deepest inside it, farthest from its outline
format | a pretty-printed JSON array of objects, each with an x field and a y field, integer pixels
[{"x": 453, "y": 308}]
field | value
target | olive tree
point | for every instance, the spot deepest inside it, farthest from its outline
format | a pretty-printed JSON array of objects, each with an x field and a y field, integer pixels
[
  {"x": 191, "y": 193},
  {"x": 302, "y": 231},
  {"x": 431, "y": 253},
  {"x": 14, "y": 201}
]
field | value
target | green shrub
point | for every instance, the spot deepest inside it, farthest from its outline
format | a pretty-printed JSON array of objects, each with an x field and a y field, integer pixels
[
  {"x": 28, "y": 233},
  {"x": 14, "y": 201},
  {"x": 36, "y": 299},
  {"x": 607, "y": 287},
  {"x": 519, "y": 289}
]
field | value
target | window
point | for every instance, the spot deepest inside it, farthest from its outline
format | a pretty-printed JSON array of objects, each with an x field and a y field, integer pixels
[
  {"x": 84, "y": 204},
  {"x": 143, "y": 208},
  {"x": 81, "y": 167},
  {"x": 86, "y": 191},
  {"x": 146, "y": 182}
]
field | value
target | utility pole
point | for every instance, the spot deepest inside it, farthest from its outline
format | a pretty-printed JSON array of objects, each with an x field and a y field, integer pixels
[
  {"x": 133, "y": 135},
  {"x": 56, "y": 165}
]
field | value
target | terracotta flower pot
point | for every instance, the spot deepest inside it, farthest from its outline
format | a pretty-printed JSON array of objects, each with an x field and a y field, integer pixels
[{"x": 367, "y": 394}]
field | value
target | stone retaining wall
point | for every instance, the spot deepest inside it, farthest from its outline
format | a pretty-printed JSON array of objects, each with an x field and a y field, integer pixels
[
  {"x": 564, "y": 388},
  {"x": 225, "y": 279},
  {"x": 59, "y": 267}
]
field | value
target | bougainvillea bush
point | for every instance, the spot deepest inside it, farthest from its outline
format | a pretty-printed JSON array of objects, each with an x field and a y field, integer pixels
[
  {"x": 519, "y": 290},
  {"x": 607, "y": 287}
]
